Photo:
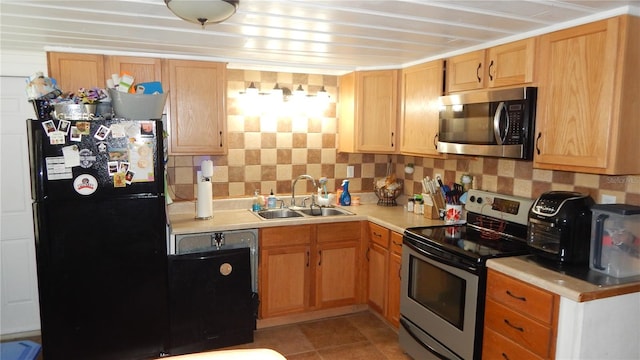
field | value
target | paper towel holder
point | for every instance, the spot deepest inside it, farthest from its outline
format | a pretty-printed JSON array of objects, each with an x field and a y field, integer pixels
[{"x": 204, "y": 205}]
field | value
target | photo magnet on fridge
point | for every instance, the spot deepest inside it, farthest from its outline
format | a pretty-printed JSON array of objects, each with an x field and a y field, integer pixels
[{"x": 102, "y": 132}]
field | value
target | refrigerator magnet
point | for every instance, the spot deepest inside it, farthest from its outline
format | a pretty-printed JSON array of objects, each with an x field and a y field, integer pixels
[
  {"x": 87, "y": 159},
  {"x": 101, "y": 146},
  {"x": 85, "y": 184},
  {"x": 57, "y": 138},
  {"x": 63, "y": 126},
  {"x": 146, "y": 128},
  {"x": 117, "y": 131},
  {"x": 76, "y": 135},
  {"x": 118, "y": 180},
  {"x": 49, "y": 127},
  {"x": 128, "y": 177},
  {"x": 84, "y": 127},
  {"x": 102, "y": 132},
  {"x": 124, "y": 167},
  {"x": 113, "y": 167}
]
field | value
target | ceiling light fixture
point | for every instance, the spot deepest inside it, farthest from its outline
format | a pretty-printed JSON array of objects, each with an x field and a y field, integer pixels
[{"x": 203, "y": 12}]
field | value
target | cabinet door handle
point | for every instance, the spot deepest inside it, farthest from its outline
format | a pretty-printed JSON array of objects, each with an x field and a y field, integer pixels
[
  {"x": 220, "y": 138},
  {"x": 392, "y": 135},
  {"x": 395, "y": 243},
  {"x": 319, "y": 257},
  {"x": 537, "y": 141},
  {"x": 521, "y": 329},
  {"x": 367, "y": 254},
  {"x": 504, "y": 356},
  {"x": 308, "y": 258},
  {"x": 478, "y": 72},
  {"x": 521, "y": 298},
  {"x": 490, "y": 70},
  {"x": 377, "y": 235},
  {"x": 400, "y": 272},
  {"x": 435, "y": 141}
]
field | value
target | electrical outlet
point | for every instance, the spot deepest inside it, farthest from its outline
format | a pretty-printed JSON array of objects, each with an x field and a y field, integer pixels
[
  {"x": 438, "y": 176},
  {"x": 608, "y": 199},
  {"x": 350, "y": 171}
]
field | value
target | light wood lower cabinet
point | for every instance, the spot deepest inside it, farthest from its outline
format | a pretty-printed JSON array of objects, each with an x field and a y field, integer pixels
[
  {"x": 384, "y": 257},
  {"x": 308, "y": 267},
  {"x": 395, "y": 277},
  {"x": 520, "y": 320}
]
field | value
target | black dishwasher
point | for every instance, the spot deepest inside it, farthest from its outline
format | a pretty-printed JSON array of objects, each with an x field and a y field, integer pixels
[{"x": 211, "y": 302}]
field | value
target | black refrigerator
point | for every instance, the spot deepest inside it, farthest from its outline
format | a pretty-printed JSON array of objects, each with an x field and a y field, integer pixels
[{"x": 100, "y": 231}]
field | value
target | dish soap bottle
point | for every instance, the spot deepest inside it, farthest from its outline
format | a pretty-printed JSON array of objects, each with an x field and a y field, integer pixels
[
  {"x": 345, "y": 197},
  {"x": 271, "y": 201},
  {"x": 256, "y": 201}
]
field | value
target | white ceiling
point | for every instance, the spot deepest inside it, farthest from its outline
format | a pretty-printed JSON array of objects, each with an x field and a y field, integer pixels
[{"x": 323, "y": 36}]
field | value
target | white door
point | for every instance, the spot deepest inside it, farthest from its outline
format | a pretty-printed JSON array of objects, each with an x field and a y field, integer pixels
[{"x": 19, "y": 310}]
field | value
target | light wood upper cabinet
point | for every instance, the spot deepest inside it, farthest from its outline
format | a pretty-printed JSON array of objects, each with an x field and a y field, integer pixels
[
  {"x": 466, "y": 71},
  {"x": 511, "y": 64},
  {"x": 143, "y": 69},
  {"x": 197, "y": 91},
  {"x": 504, "y": 65},
  {"x": 421, "y": 85},
  {"x": 368, "y": 103},
  {"x": 587, "y": 119},
  {"x": 73, "y": 71}
]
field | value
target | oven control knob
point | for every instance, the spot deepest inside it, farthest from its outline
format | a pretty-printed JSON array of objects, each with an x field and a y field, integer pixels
[
  {"x": 472, "y": 198},
  {"x": 479, "y": 200}
]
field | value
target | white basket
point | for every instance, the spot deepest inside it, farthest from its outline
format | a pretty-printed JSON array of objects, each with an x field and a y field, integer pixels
[{"x": 137, "y": 106}]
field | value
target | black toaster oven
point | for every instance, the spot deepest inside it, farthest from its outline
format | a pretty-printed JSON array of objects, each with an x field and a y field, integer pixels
[{"x": 559, "y": 227}]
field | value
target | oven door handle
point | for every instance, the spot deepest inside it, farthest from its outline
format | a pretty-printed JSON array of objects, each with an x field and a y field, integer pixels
[
  {"x": 406, "y": 326},
  {"x": 435, "y": 257}
]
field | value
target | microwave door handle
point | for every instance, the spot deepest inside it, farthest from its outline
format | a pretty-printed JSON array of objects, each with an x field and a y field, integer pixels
[{"x": 496, "y": 123}]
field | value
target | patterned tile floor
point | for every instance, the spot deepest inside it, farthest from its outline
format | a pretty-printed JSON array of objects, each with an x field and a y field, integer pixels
[
  {"x": 350, "y": 337},
  {"x": 359, "y": 336}
]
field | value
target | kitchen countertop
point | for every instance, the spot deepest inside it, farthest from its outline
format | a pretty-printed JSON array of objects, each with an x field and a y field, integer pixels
[
  {"x": 234, "y": 214},
  {"x": 227, "y": 216},
  {"x": 521, "y": 268}
]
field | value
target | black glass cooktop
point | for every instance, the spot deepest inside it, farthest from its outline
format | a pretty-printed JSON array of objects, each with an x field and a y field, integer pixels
[{"x": 468, "y": 241}]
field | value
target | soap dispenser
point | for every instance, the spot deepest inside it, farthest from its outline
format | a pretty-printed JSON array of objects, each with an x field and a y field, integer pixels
[
  {"x": 256, "y": 201},
  {"x": 345, "y": 197}
]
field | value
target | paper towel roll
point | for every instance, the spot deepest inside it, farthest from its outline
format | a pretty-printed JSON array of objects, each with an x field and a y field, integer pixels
[
  {"x": 204, "y": 206},
  {"x": 206, "y": 166}
]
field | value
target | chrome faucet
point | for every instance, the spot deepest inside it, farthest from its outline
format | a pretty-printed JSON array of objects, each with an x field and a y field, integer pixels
[{"x": 293, "y": 186}]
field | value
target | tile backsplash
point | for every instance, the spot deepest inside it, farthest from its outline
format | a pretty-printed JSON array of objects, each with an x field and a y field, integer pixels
[{"x": 270, "y": 144}]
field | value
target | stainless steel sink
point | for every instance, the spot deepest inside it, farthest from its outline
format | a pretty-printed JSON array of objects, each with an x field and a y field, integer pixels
[
  {"x": 324, "y": 211},
  {"x": 278, "y": 214},
  {"x": 301, "y": 212}
]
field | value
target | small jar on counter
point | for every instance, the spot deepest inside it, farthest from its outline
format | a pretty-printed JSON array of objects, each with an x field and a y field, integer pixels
[{"x": 410, "y": 204}]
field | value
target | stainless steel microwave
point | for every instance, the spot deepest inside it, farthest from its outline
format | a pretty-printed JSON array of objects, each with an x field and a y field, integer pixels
[{"x": 497, "y": 123}]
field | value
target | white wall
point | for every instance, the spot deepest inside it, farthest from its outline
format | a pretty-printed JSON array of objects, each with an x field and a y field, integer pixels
[{"x": 18, "y": 281}]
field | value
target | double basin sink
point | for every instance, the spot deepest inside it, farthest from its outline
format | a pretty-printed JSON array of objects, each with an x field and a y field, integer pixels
[{"x": 286, "y": 213}]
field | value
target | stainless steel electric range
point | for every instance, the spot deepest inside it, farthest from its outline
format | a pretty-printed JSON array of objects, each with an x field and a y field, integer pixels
[{"x": 444, "y": 275}]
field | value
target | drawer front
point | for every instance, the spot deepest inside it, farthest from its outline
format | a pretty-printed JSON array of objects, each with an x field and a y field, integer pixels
[
  {"x": 340, "y": 231},
  {"x": 379, "y": 235},
  {"x": 285, "y": 235},
  {"x": 396, "y": 243},
  {"x": 515, "y": 294},
  {"x": 498, "y": 347},
  {"x": 527, "y": 332}
]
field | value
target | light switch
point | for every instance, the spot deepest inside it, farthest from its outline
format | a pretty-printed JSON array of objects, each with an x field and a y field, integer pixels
[{"x": 350, "y": 171}]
